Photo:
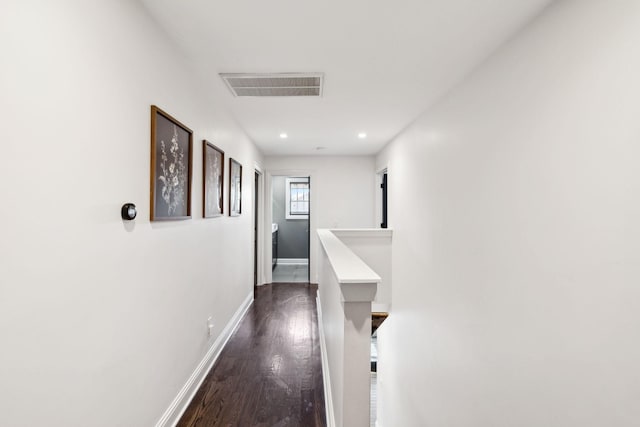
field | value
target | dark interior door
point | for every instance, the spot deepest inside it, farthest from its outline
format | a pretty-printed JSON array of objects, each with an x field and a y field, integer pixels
[
  {"x": 383, "y": 186},
  {"x": 255, "y": 234}
]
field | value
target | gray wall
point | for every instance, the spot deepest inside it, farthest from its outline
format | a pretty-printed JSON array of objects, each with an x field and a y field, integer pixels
[{"x": 293, "y": 234}]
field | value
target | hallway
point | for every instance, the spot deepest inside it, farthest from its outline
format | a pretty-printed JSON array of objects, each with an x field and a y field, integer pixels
[
  {"x": 270, "y": 372},
  {"x": 506, "y": 232}
]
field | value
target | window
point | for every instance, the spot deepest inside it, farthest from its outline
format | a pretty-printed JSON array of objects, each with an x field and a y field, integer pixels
[{"x": 297, "y": 198}]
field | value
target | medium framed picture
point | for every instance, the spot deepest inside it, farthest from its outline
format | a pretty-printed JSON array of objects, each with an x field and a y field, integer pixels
[
  {"x": 235, "y": 188},
  {"x": 171, "y": 153},
  {"x": 213, "y": 180}
]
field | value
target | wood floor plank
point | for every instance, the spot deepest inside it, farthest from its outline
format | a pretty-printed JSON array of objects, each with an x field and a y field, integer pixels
[{"x": 270, "y": 372}]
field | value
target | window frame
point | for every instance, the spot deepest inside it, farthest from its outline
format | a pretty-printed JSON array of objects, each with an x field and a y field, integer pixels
[{"x": 287, "y": 191}]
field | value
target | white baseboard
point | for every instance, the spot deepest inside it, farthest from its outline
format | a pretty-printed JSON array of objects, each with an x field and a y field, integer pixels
[
  {"x": 326, "y": 380},
  {"x": 293, "y": 261},
  {"x": 173, "y": 413}
]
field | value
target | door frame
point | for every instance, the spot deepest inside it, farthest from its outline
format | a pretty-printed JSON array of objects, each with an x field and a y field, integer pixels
[
  {"x": 268, "y": 219},
  {"x": 378, "y": 195},
  {"x": 258, "y": 199}
]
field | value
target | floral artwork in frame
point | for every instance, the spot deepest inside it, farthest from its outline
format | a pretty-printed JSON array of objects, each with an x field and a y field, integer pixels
[
  {"x": 213, "y": 180},
  {"x": 171, "y": 149},
  {"x": 235, "y": 188}
]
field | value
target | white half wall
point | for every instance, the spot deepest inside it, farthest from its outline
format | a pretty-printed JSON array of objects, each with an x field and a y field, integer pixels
[
  {"x": 102, "y": 322},
  {"x": 516, "y": 250},
  {"x": 346, "y": 288},
  {"x": 342, "y": 195}
]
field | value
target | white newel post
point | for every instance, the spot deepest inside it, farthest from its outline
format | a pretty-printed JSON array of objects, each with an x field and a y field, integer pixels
[{"x": 357, "y": 299}]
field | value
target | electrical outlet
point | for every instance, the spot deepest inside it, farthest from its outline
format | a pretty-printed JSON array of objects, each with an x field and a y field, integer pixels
[{"x": 210, "y": 325}]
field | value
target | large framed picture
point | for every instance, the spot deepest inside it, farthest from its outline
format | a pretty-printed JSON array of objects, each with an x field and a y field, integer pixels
[
  {"x": 235, "y": 188},
  {"x": 171, "y": 153},
  {"x": 213, "y": 180}
]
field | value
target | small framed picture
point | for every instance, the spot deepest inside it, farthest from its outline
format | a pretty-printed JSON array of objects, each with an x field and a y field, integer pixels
[
  {"x": 171, "y": 152},
  {"x": 213, "y": 180},
  {"x": 235, "y": 188}
]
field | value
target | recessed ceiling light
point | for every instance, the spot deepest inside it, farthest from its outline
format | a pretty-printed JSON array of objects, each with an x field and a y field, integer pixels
[
  {"x": 283, "y": 135},
  {"x": 362, "y": 135}
]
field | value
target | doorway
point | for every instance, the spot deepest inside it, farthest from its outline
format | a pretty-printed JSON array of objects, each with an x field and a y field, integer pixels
[{"x": 291, "y": 211}]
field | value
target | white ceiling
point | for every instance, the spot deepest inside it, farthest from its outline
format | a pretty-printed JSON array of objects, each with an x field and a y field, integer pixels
[{"x": 384, "y": 61}]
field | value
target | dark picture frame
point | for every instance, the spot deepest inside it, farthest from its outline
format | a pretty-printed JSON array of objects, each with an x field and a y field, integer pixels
[
  {"x": 212, "y": 180},
  {"x": 171, "y": 167},
  {"x": 235, "y": 188}
]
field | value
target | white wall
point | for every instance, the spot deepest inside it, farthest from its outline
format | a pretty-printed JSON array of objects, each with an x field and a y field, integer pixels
[
  {"x": 101, "y": 323},
  {"x": 516, "y": 250},
  {"x": 373, "y": 246},
  {"x": 342, "y": 194}
]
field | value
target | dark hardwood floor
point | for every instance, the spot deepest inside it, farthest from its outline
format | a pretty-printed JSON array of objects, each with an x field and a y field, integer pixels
[{"x": 270, "y": 372}]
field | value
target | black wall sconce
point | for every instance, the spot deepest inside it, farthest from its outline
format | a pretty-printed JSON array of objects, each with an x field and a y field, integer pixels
[{"x": 128, "y": 211}]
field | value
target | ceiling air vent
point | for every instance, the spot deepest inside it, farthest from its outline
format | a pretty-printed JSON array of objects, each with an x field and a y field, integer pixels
[{"x": 289, "y": 84}]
